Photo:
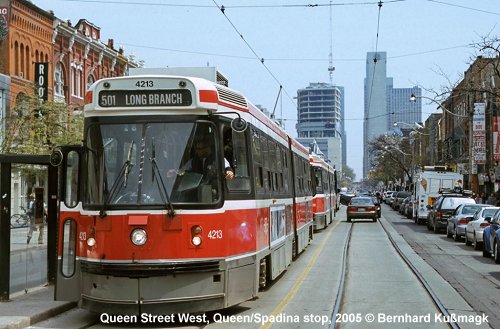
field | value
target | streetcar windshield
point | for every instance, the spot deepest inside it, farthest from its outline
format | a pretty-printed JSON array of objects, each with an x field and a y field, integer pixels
[{"x": 152, "y": 164}]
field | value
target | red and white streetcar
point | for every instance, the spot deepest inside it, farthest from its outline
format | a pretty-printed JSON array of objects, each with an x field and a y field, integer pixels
[
  {"x": 325, "y": 191},
  {"x": 141, "y": 230}
]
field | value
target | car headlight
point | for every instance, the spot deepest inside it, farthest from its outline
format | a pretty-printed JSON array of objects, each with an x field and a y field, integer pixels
[{"x": 139, "y": 237}]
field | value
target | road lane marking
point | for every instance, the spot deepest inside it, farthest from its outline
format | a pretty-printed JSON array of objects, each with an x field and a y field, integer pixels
[{"x": 281, "y": 306}]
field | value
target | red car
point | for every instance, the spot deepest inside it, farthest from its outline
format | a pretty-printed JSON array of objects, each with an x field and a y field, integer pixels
[{"x": 362, "y": 208}]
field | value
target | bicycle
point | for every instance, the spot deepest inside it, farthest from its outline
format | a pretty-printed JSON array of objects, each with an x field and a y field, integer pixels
[{"x": 20, "y": 220}]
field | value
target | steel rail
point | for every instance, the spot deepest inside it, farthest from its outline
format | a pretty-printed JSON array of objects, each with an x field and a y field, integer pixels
[
  {"x": 422, "y": 280},
  {"x": 427, "y": 287}
]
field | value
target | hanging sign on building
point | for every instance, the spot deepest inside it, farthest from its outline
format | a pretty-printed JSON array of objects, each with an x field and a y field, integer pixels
[
  {"x": 496, "y": 133},
  {"x": 478, "y": 134},
  {"x": 41, "y": 80}
]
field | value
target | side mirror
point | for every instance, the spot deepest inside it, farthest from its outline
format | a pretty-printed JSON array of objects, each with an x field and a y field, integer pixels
[
  {"x": 239, "y": 125},
  {"x": 56, "y": 157}
]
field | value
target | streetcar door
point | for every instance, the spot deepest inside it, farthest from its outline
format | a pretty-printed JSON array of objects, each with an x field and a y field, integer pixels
[{"x": 68, "y": 159}]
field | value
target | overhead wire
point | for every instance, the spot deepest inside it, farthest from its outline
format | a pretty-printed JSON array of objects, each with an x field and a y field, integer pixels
[
  {"x": 464, "y": 7},
  {"x": 309, "y": 5},
  {"x": 470, "y": 45},
  {"x": 375, "y": 57},
  {"x": 261, "y": 59}
]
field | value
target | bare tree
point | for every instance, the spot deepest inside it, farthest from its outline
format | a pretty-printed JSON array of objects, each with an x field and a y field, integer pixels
[{"x": 393, "y": 158}]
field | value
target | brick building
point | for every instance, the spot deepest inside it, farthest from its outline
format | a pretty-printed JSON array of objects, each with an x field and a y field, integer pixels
[
  {"x": 80, "y": 58},
  {"x": 75, "y": 55},
  {"x": 28, "y": 40}
]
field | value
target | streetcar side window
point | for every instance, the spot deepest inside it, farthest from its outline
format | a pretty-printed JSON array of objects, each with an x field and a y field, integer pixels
[
  {"x": 286, "y": 170},
  {"x": 257, "y": 159},
  {"x": 236, "y": 152},
  {"x": 265, "y": 161},
  {"x": 69, "y": 248},
  {"x": 72, "y": 169}
]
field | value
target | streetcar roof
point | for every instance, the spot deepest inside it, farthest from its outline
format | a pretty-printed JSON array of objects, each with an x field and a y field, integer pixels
[{"x": 157, "y": 94}]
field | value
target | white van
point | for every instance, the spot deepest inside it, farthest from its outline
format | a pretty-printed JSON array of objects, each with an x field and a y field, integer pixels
[{"x": 427, "y": 186}]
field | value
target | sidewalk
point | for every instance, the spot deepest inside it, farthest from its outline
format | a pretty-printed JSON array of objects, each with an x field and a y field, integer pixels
[
  {"x": 25, "y": 309},
  {"x": 37, "y": 305},
  {"x": 19, "y": 236}
]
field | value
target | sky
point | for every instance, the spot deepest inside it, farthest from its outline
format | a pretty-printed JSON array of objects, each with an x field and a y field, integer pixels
[{"x": 262, "y": 44}]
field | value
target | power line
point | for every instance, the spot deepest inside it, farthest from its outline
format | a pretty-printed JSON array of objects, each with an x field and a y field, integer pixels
[
  {"x": 293, "y": 59},
  {"x": 261, "y": 59},
  {"x": 316, "y": 5},
  {"x": 375, "y": 56},
  {"x": 464, "y": 7},
  {"x": 309, "y": 5}
]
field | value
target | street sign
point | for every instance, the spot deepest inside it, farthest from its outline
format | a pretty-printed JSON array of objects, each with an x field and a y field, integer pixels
[{"x": 41, "y": 80}]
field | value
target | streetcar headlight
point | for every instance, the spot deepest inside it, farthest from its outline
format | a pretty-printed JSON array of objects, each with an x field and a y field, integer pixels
[
  {"x": 139, "y": 237},
  {"x": 91, "y": 242},
  {"x": 196, "y": 240}
]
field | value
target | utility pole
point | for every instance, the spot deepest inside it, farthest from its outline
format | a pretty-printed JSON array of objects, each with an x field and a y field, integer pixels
[{"x": 331, "y": 68}]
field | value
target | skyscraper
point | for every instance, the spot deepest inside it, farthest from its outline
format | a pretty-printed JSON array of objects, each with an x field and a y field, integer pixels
[
  {"x": 319, "y": 115},
  {"x": 375, "y": 115},
  {"x": 385, "y": 105}
]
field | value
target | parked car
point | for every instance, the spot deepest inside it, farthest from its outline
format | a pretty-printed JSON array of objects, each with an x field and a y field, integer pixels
[
  {"x": 361, "y": 208},
  {"x": 491, "y": 238},
  {"x": 443, "y": 208},
  {"x": 386, "y": 195},
  {"x": 403, "y": 205},
  {"x": 398, "y": 199},
  {"x": 460, "y": 218},
  {"x": 410, "y": 208},
  {"x": 475, "y": 227},
  {"x": 391, "y": 197}
]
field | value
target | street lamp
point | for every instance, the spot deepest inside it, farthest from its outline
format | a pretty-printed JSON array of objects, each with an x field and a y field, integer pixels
[
  {"x": 413, "y": 98},
  {"x": 416, "y": 124},
  {"x": 395, "y": 148}
]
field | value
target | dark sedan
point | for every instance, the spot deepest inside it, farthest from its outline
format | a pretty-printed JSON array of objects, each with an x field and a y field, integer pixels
[{"x": 362, "y": 208}]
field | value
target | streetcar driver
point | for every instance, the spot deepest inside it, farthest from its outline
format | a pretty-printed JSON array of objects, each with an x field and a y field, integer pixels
[{"x": 204, "y": 160}]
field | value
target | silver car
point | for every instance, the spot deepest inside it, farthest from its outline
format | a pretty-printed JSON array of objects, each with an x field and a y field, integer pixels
[
  {"x": 460, "y": 218},
  {"x": 475, "y": 227}
]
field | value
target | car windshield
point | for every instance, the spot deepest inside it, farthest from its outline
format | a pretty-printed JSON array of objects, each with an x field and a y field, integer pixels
[
  {"x": 452, "y": 203},
  {"x": 469, "y": 210},
  {"x": 148, "y": 163},
  {"x": 361, "y": 201},
  {"x": 488, "y": 212}
]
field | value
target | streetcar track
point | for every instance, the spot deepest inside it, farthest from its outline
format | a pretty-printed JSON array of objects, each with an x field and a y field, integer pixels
[
  {"x": 341, "y": 290},
  {"x": 298, "y": 283}
]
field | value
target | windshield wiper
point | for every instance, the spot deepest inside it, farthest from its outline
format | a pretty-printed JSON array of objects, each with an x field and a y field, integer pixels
[
  {"x": 165, "y": 197},
  {"x": 124, "y": 172},
  {"x": 127, "y": 164}
]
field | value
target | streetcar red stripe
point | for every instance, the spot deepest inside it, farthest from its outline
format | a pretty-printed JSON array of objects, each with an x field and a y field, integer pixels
[
  {"x": 138, "y": 220},
  {"x": 209, "y": 96}
]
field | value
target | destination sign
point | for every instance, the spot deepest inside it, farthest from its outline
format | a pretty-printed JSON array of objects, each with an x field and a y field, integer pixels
[{"x": 138, "y": 98}]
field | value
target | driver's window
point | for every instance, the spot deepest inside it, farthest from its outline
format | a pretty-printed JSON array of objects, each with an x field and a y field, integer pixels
[{"x": 236, "y": 152}]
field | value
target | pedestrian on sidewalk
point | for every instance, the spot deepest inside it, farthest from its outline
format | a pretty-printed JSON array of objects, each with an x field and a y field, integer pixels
[
  {"x": 492, "y": 200},
  {"x": 35, "y": 225}
]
